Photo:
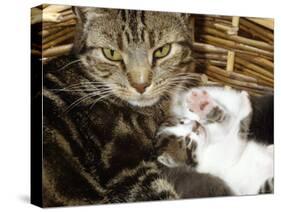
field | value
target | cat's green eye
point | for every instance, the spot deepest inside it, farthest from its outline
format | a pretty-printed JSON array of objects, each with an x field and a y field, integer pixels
[
  {"x": 112, "y": 54},
  {"x": 162, "y": 51}
]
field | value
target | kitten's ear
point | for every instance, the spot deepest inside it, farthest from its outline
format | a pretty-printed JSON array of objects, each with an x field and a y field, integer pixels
[{"x": 167, "y": 160}]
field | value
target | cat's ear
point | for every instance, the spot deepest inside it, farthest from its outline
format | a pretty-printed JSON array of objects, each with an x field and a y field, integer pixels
[
  {"x": 83, "y": 16},
  {"x": 185, "y": 16},
  {"x": 188, "y": 21},
  {"x": 87, "y": 13},
  {"x": 167, "y": 160},
  {"x": 79, "y": 40},
  {"x": 80, "y": 13}
]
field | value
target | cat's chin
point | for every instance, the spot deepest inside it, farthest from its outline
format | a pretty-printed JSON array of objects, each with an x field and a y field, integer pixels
[{"x": 144, "y": 102}]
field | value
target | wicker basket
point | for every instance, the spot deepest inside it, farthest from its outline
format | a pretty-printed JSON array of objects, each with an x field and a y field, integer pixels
[{"x": 233, "y": 51}]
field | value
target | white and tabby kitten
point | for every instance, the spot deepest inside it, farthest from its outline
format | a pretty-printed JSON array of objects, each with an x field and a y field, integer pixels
[{"x": 210, "y": 127}]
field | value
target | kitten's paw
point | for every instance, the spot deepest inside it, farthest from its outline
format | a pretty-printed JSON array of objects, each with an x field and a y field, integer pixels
[
  {"x": 191, "y": 150},
  {"x": 201, "y": 103}
]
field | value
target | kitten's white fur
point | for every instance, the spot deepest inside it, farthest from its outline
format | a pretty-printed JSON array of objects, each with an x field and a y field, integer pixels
[{"x": 244, "y": 165}]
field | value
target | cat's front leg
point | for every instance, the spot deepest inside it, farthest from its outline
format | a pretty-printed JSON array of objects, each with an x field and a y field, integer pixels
[{"x": 200, "y": 102}]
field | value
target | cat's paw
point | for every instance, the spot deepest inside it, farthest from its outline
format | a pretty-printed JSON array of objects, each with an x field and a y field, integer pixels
[{"x": 201, "y": 103}]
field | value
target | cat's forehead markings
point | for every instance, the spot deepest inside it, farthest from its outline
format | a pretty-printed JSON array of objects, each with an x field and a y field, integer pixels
[
  {"x": 141, "y": 27},
  {"x": 120, "y": 41},
  {"x": 133, "y": 25}
]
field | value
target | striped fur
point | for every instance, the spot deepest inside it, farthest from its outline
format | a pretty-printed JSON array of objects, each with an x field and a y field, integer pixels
[
  {"x": 97, "y": 155},
  {"x": 101, "y": 150}
]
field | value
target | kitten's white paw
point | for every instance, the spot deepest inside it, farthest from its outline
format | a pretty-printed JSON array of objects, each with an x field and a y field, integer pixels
[{"x": 200, "y": 102}]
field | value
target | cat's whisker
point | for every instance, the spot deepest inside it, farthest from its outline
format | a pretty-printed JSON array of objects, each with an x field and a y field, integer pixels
[
  {"x": 100, "y": 99},
  {"x": 100, "y": 84},
  {"x": 89, "y": 82},
  {"x": 84, "y": 87},
  {"x": 158, "y": 90},
  {"x": 86, "y": 84},
  {"x": 78, "y": 102},
  {"x": 191, "y": 75},
  {"x": 183, "y": 81},
  {"x": 167, "y": 88},
  {"x": 174, "y": 83},
  {"x": 83, "y": 98},
  {"x": 81, "y": 90},
  {"x": 68, "y": 64},
  {"x": 86, "y": 91},
  {"x": 185, "y": 77},
  {"x": 176, "y": 86}
]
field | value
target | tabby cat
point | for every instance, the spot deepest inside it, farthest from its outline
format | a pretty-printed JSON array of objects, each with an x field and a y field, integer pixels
[{"x": 104, "y": 103}]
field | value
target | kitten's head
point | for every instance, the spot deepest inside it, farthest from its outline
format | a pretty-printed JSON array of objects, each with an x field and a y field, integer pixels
[
  {"x": 177, "y": 143},
  {"x": 140, "y": 56}
]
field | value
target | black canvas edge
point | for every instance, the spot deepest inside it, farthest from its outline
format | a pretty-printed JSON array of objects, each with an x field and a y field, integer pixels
[{"x": 36, "y": 189}]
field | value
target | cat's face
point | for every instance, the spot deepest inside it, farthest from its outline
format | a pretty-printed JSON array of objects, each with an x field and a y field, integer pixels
[{"x": 139, "y": 56}]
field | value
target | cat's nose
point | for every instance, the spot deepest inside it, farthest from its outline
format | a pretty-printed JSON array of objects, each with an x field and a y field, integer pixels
[{"x": 140, "y": 87}]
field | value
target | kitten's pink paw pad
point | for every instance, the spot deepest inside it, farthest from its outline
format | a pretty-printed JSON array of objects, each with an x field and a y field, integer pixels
[{"x": 200, "y": 102}]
